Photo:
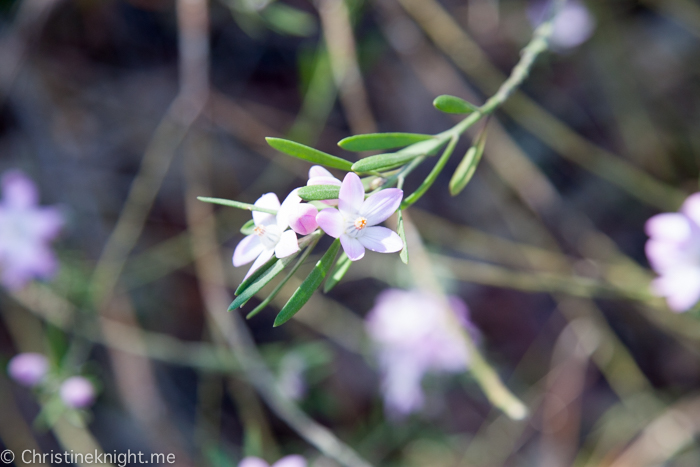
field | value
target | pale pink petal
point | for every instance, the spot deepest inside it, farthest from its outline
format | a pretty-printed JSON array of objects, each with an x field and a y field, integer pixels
[
  {"x": 681, "y": 288},
  {"x": 45, "y": 223},
  {"x": 247, "y": 250},
  {"x": 287, "y": 209},
  {"x": 18, "y": 190},
  {"x": 380, "y": 239},
  {"x": 291, "y": 461},
  {"x": 253, "y": 462},
  {"x": 318, "y": 171},
  {"x": 331, "y": 221},
  {"x": 267, "y": 201},
  {"x": 262, "y": 259},
  {"x": 303, "y": 220},
  {"x": 691, "y": 207},
  {"x": 352, "y": 247},
  {"x": 668, "y": 226},
  {"x": 378, "y": 207},
  {"x": 287, "y": 245},
  {"x": 323, "y": 181},
  {"x": 352, "y": 194}
]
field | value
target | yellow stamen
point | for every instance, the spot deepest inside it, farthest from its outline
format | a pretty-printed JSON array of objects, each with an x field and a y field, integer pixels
[
  {"x": 360, "y": 223},
  {"x": 259, "y": 230}
]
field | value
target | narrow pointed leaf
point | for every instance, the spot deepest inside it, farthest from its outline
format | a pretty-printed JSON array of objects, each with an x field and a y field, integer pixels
[
  {"x": 310, "y": 284},
  {"x": 307, "y": 153},
  {"x": 432, "y": 176},
  {"x": 402, "y": 233},
  {"x": 399, "y": 158},
  {"x": 319, "y": 192},
  {"x": 261, "y": 281},
  {"x": 465, "y": 170},
  {"x": 341, "y": 267},
  {"x": 236, "y": 204},
  {"x": 379, "y": 141},
  {"x": 248, "y": 227},
  {"x": 253, "y": 277},
  {"x": 454, "y": 105}
]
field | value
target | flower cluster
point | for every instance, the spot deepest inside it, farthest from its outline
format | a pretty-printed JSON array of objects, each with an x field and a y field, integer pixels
[
  {"x": 414, "y": 333},
  {"x": 354, "y": 221},
  {"x": 673, "y": 250},
  {"x": 26, "y": 231},
  {"x": 32, "y": 369}
]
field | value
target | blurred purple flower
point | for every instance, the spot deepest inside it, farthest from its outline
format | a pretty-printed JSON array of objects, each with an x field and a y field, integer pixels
[
  {"x": 77, "y": 392},
  {"x": 573, "y": 26},
  {"x": 287, "y": 461},
  {"x": 414, "y": 334},
  {"x": 270, "y": 236},
  {"x": 28, "y": 369},
  {"x": 673, "y": 250},
  {"x": 355, "y": 220},
  {"x": 26, "y": 231}
]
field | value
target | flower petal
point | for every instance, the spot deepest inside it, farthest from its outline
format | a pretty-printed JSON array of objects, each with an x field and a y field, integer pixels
[
  {"x": 288, "y": 207},
  {"x": 669, "y": 226},
  {"x": 262, "y": 259},
  {"x": 287, "y": 245},
  {"x": 380, "y": 239},
  {"x": 267, "y": 201},
  {"x": 323, "y": 181},
  {"x": 680, "y": 287},
  {"x": 253, "y": 462},
  {"x": 319, "y": 171},
  {"x": 331, "y": 221},
  {"x": 352, "y": 247},
  {"x": 303, "y": 220},
  {"x": 247, "y": 250},
  {"x": 352, "y": 194},
  {"x": 18, "y": 190},
  {"x": 378, "y": 207},
  {"x": 294, "y": 460},
  {"x": 691, "y": 207}
]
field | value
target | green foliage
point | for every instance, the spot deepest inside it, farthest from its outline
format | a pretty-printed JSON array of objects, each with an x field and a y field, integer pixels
[
  {"x": 319, "y": 192},
  {"x": 380, "y": 141},
  {"x": 309, "y": 154},
  {"x": 465, "y": 170},
  {"x": 310, "y": 284},
  {"x": 236, "y": 204},
  {"x": 248, "y": 227},
  {"x": 397, "y": 159},
  {"x": 341, "y": 267},
  {"x": 402, "y": 233},
  {"x": 454, "y": 105},
  {"x": 285, "y": 19},
  {"x": 259, "y": 281}
]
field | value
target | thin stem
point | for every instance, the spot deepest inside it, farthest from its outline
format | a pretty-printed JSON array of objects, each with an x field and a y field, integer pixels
[{"x": 236, "y": 204}]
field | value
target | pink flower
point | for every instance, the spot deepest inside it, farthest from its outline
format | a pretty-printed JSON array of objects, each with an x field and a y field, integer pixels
[
  {"x": 573, "y": 26},
  {"x": 355, "y": 220},
  {"x": 77, "y": 392},
  {"x": 300, "y": 216},
  {"x": 28, "y": 369},
  {"x": 25, "y": 232},
  {"x": 270, "y": 236},
  {"x": 673, "y": 250},
  {"x": 287, "y": 461},
  {"x": 414, "y": 333}
]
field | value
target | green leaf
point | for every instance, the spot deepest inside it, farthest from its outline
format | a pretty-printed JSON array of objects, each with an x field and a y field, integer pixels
[
  {"x": 404, "y": 251},
  {"x": 378, "y": 141},
  {"x": 248, "y": 227},
  {"x": 236, "y": 204},
  {"x": 341, "y": 267},
  {"x": 319, "y": 192},
  {"x": 454, "y": 105},
  {"x": 432, "y": 176},
  {"x": 465, "y": 170},
  {"x": 308, "y": 154},
  {"x": 253, "y": 277},
  {"x": 397, "y": 159},
  {"x": 310, "y": 284},
  {"x": 261, "y": 281},
  {"x": 289, "y": 20}
]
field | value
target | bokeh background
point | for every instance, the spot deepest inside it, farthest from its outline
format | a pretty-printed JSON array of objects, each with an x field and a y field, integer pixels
[{"x": 123, "y": 112}]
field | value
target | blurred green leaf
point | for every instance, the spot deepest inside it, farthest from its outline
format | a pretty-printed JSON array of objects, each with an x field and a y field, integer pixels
[
  {"x": 248, "y": 227},
  {"x": 404, "y": 251},
  {"x": 286, "y": 19},
  {"x": 319, "y": 192},
  {"x": 310, "y": 284},
  {"x": 307, "y": 153},
  {"x": 341, "y": 267},
  {"x": 236, "y": 204},
  {"x": 379, "y": 141},
  {"x": 397, "y": 159},
  {"x": 454, "y": 105},
  {"x": 465, "y": 170}
]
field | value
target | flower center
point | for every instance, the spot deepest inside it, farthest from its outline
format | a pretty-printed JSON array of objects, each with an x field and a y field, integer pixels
[
  {"x": 360, "y": 223},
  {"x": 259, "y": 230}
]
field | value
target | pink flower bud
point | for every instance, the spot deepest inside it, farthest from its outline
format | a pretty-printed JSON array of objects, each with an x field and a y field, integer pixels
[
  {"x": 303, "y": 219},
  {"x": 77, "y": 392},
  {"x": 28, "y": 369}
]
